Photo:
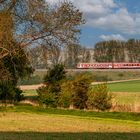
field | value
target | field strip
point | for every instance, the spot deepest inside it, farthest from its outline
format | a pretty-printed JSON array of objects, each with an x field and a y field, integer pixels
[{"x": 34, "y": 87}]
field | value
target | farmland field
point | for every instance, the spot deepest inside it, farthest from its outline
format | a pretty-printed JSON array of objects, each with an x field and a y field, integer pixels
[
  {"x": 30, "y": 123},
  {"x": 130, "y": 86}
]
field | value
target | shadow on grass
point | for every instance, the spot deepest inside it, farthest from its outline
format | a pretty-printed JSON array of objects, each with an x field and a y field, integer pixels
[{"x": 68, "y": 136}]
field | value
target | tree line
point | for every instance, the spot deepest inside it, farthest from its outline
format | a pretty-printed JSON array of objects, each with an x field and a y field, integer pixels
[
  {"x": 42, "y": 57},
  {"x": 117, "y": 51}
]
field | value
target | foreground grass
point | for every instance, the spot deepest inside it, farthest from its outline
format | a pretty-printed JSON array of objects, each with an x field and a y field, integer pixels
[
  {"x": 33, "y": 123},
  {"x": 79, "y": 113},
  {"x": 131, "y": 86}
]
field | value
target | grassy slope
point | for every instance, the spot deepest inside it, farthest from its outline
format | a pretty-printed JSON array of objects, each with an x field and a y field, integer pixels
[
  {"x": 27, "y": 122},
  {"x": 131, "y": 86}
]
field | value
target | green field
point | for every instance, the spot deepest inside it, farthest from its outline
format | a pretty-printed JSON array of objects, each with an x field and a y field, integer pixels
[
  {"x": 131, "y": 86},
  {"x": 33, "y": 123}
]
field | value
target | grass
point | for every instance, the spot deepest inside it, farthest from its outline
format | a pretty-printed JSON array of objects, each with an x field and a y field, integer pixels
[
  {"x": 79, "y": 113},
  {"x": 131, "y": 86},
  {"x": 30, "y": 92},
  {"x": 33, "y": 123},
  {"x": 27, "y": 121}
]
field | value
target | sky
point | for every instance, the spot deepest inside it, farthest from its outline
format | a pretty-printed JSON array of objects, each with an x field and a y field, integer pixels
[{"x": 107, "y": 20}]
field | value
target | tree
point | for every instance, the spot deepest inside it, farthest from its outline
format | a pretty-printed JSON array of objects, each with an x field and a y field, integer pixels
[
  {"x": 35, "y": 22},
  {"x": 133, "y": 49}
]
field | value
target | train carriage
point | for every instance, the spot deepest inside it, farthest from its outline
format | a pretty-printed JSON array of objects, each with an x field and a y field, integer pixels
[{"x": 108, "y": 65}]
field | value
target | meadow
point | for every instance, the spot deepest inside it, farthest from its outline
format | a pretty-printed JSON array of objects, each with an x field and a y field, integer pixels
[{"x": 33, "y": 123}]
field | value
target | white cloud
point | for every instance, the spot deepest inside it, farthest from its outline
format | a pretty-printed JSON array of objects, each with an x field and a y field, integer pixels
[
  {"x": 121, "y": 21},
  {"x": 112, "y": 37},
  {"x": 108, "y": 15},
  {"x": 90, "y": 6}
]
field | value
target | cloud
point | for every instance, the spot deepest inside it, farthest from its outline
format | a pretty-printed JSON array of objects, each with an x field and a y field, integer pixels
[
  {"x": 112, "y": 37},
  {"x": 98, "y": 7},
  {"x": 108, "y": 15}
]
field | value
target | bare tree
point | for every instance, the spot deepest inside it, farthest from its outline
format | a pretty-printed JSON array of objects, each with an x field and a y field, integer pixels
[{"x": 35, "y": 22}]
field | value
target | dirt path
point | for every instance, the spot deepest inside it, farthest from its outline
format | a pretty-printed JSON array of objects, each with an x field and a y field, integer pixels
[{"x": 30, "y": 87}]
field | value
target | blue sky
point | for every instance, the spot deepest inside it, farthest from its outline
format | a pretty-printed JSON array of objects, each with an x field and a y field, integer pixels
[{"x": 108, "y": 19}]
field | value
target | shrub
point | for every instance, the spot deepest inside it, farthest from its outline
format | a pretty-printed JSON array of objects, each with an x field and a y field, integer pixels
[
  {"x": 121, "y": 74},
  {"x": 99, "y": 97},
  {"x": 46, "y": 97},
  {"x": 80, "y": 87},
  {"x": 49, "y": 93},
  {"x": 65, "y": 94}
]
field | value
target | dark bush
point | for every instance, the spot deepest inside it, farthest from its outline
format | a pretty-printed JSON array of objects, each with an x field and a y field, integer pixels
[
  {"x": 9, "y": 93},
  {"x": 55, "y": 74},
  {"x": 46, "y": 96},
  {"x": 49, "y": 93},
  {"x": 80, "y": 87}
]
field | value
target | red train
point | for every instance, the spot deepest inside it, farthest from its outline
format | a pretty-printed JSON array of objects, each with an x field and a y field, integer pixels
[{"x": 108, "y": 65}]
